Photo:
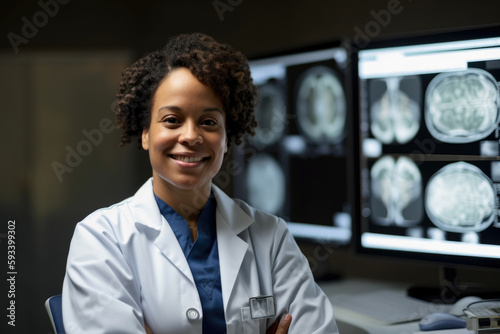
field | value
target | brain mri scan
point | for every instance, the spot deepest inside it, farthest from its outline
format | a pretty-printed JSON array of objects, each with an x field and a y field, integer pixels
[
  {"x": 321, "y": 105},
  {"x": 395, "y": 116},
  {"x": 460, "y": 198},
  {"x": 396, "y": 186},
  {"x": 265, "y": 183},
  {"x": 271, "y": 115},
  {"x": 462, "y": 107}
]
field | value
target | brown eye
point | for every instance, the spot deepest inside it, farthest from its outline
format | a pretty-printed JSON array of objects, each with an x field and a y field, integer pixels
[
  {"x": 209, "y": 122},
  {"x": 171, "y": 120}
]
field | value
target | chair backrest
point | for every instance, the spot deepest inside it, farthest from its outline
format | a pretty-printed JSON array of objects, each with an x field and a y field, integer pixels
[{"x": 54, "y": 309}]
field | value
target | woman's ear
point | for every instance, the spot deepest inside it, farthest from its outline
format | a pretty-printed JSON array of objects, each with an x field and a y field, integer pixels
[{"x": 145, "y": 139}]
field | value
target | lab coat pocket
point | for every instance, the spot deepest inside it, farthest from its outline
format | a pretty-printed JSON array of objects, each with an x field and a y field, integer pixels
[{"x": 252, "y": 326}]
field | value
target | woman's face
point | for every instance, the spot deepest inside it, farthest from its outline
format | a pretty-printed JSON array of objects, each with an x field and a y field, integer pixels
[{"x": 187, "y": 137}]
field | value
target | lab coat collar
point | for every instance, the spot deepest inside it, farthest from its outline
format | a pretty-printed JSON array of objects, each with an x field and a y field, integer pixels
[
  {"x": 144, "y": 207},
  {"x": 146, "y": 211},
  {"x": 148, "y": 219},
  {"x": 231, "y": 220},
  {"x": 232, "y": 214}
]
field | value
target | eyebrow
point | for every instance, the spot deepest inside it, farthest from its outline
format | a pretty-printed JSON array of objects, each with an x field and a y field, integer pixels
[{"x": 176, "y": 108}]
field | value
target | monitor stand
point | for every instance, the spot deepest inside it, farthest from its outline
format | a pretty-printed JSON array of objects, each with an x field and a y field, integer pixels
[{"x": 451, "y": 290}]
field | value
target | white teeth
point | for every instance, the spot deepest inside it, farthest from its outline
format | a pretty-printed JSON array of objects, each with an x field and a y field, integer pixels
[{"x": 187, "y": 159}]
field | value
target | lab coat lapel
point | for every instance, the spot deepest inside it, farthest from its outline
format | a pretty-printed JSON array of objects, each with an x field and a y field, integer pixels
[
  {"x": 231, "y": 220},
  {"x": 150, "y": 220},
  {"x": 169, "y": 246}
]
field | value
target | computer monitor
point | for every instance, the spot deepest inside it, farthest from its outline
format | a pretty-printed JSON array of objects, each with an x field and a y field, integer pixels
[
  {"x": 427, "y": 132},
  {"x": 296, "y": 164}
]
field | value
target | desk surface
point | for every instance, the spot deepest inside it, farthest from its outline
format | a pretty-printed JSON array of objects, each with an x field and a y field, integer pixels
[{"x": 351, "y": 323}]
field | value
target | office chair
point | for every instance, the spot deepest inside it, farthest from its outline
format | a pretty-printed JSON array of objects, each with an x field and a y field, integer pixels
[{"x": 54, "y": 309}]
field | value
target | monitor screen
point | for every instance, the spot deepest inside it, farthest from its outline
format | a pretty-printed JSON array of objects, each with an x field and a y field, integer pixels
[
  {"x": 296, "y": 164},
  {"x": 428, "y": 148}
]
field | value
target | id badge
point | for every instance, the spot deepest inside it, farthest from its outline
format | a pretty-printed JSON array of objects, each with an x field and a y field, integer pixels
[{"x": 262, "y": 307}]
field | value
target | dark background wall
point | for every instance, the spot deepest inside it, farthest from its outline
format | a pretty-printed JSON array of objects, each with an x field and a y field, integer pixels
[{"x": 60, "y": 65}]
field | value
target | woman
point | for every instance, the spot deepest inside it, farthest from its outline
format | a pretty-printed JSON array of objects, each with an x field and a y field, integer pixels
[{"x": 180, "y": 256}]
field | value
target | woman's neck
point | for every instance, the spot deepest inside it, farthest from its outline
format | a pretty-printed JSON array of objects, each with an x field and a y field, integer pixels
[{"x": 186, "y": 202}]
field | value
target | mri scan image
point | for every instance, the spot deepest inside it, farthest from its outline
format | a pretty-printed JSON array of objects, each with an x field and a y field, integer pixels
[
  {"x": 321, "y": 105},
  {"x": 271, "y": 115},
  {"x": 460, "y": 198},
  {"x": 396, "y": 186},
  {"x": 471, "y": 238},
  {"x": 395, "y": 116},
  {"x": 462, "y": 107},
  {"x": 265, "y": 182}
]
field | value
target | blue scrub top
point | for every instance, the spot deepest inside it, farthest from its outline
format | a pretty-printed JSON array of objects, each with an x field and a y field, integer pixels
[{"x": 203, "y": 259}]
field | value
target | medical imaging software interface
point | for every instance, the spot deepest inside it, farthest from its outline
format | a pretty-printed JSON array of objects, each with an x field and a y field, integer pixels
[
  {"x": 296, "y": 163},
  {"x": 429, "y": 148}
]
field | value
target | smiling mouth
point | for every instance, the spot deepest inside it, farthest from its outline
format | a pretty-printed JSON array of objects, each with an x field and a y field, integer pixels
[{"x": 187, "y": 159}]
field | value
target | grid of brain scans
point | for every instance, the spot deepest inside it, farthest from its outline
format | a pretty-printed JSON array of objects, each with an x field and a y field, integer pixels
[
  {"x": 296, "y": 164},
  {"x": 429, "y": 147}
]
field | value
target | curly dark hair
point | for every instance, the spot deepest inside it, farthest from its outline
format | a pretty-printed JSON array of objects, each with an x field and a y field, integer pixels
[{"x": 214, "y": 64}]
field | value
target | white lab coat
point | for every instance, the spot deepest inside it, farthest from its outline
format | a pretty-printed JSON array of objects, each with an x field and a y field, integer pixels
[{"x": 125, "y": 268}]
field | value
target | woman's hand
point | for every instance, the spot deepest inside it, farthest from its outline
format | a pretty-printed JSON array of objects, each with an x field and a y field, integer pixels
[{"x": 280, "y": 327}]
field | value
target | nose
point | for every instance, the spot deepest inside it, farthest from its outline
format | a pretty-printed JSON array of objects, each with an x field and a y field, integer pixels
[{"x": 190, "y": 134}]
